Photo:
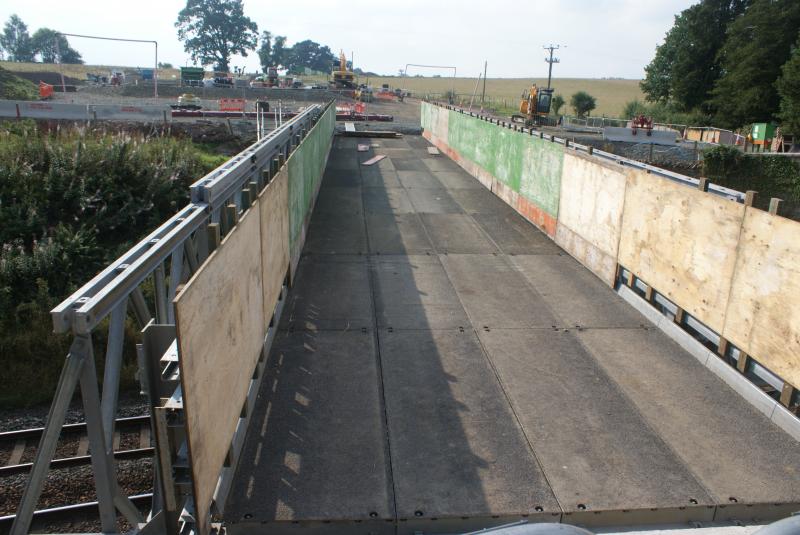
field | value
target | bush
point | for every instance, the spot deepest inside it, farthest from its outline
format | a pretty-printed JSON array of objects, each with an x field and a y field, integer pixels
[
  {"x": 71, "y": 201},
  {"x": 583, "y": 103},
  {"x": 13, "y": 87},
  {"x": 664, "y": 113},
  {"x": 772, "y": 176}
]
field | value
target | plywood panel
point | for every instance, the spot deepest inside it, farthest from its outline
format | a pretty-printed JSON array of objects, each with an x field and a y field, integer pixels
[
  {"x": 764, "y": 312},
  {"x": 273, "y": 207},
  {"x": 221, "y": 327},
  {"x": 590, "y": 213},
  {"x": 683, "y": 242}
]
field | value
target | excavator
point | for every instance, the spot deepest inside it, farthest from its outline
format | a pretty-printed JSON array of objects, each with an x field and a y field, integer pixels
[
  {"x": 534, "y": 107},
  {"x": 343, "y": 78}
]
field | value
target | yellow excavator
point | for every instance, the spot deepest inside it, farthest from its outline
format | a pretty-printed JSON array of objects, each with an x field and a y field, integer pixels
[
  {"x": 343, "y": 78},
  {"x": 534, "y": 106}
]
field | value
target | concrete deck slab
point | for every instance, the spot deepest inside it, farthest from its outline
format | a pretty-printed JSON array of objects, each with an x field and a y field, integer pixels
[
  {"x": 340, "y": 178},
  {"x": 494, "y": 294},
  {"x": 414, "y": 292},
  {"x": 333, "y": 201},
  {"x": 316, "y": 448},
  {"x": 409, "y": 164},
  {"x": 375, "y": 177},
  {"x": 329, "y": 295},
  {"x": 576, "y": 295},
  {"x": 433, "y": 201},
  {"x": 481, "y": 201},
  {"x": 397, "y": 234},
  {"x": 457, "y": 180},
  {"x": 419, "y": 179},
  {"x": 387, "y": 201},
  {"x": 515, "y": 236},
  {"x": 337, "y": 234},
  {"x": 598, "y": 452},
  {"x": 455, "y": 443},
  {"x": 456, "y": 233},
  {"x": 441, "y": 163},
  {"x": 675, "y": 393}
]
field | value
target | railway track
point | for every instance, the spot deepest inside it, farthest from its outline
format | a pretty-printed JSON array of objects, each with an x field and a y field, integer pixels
[{"x": 131, "y": 441}]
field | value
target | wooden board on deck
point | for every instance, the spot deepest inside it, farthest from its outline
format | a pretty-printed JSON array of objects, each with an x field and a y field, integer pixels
[
  {"x": 374, "y": 160},
  {"x": 220, "y": 324},
  {"x": 433, "y": 150},
  {"x": 273, "y": 205},
  {"x": 682, "y": 242},
  {"x": 764, "y": 313}
]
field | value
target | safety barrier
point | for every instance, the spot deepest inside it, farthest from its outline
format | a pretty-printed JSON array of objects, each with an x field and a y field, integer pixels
[
  {"x": 81, "y": 112},
  {"x": 726, "y": 265},
  {"x": 206, "y": 288}
]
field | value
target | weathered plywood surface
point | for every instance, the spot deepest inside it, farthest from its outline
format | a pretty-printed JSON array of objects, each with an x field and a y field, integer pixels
[
  {"x": 590, "y": 213},
  {"x": 682, "y": 242},
  {"x": 221, "y": 327},
  {"x": 273, "y": 209},
  {"x": 764, "y": 312}
]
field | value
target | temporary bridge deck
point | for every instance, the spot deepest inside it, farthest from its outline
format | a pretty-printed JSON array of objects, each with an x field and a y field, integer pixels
[{"x": 441, "y": 365}]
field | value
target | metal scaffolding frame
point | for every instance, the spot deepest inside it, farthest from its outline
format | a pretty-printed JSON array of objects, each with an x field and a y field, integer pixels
[{"x": 144, "y": 281}]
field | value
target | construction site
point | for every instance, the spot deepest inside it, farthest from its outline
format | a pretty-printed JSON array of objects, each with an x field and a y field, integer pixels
[{"x": 399, "y": 311}]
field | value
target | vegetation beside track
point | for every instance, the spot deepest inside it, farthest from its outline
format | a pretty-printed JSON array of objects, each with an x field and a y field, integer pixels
[{"x": 71, "y": 201}]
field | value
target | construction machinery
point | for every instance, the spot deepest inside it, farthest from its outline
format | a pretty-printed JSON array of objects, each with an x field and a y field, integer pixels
[
  {"x": 343, "y": 78},
  {"x": 187, "y": 101},
  {"x": 534, "y": 106}
]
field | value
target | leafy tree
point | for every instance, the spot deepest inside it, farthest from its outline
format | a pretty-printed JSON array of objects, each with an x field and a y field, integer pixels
[
  {"x": 311, "y": 55},
  {"x": 557, "y": 103},
  {"x": 214, "y": 30},
  {"x": 583, "y": 103},
  {"x": 686, "y": 65},
  {"x": 52, "y": 47},
  {"x": 164, "y": 65},
  {"x": 280, "y": 54},
  {"x": 265, "y": 51},
  {"x": 758, "y": 44},
  {"x": 15, "y": 40},
  {"x": 788, "y": 86}
]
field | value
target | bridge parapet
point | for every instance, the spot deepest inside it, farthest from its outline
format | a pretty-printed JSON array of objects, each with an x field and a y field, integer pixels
[
  {"x": 720, "y": 268},
  {"x": 249, "y": 216}
]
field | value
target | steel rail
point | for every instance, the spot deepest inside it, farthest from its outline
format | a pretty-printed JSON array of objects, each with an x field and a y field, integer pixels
[
  {"x": 77, "y": 460},
  {"x": 69, "y": 511},
  {"x": 36, "y": 432}
]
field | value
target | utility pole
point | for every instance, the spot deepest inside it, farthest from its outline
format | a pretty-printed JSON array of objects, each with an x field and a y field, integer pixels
[
  {"x": 551, "y": 60},
  {"x": 483, "y": 94}
]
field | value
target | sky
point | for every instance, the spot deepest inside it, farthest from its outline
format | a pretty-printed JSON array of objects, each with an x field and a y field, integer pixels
[{"x": 598, "y": 38}]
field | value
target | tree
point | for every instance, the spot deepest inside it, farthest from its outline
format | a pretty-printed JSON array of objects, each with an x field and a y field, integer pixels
[
  {"x": 214, "y": 30},
  {"x": 686, "y": 65},
  {"x": 758, "y": 44},
  {"x": 265, "y": 51},
  {"x": 557, "y": 103},
  {"x": 52, "y": 47},
  {"x": 583, "y": 103},
  {"x": 280, "y": 54},
  {"x": 164, "y": 65},
  {"x": 15, "y": 40},
  {"x": 788, "y": 86},
  {"x": 311, "y": 55}
]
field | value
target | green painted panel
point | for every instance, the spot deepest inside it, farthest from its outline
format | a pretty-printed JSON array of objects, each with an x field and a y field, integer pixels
[
  {"x": 530, "y": 166},
  {"x": 306, "y": 166},
  {"x": 541, "y": 174},
  {"x": 498, "y": 150}
]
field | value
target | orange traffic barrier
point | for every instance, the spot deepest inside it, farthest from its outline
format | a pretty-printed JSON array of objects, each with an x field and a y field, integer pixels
[
  {"x": 231, "y": 104},
  {"x": 45, "y": 90}
]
